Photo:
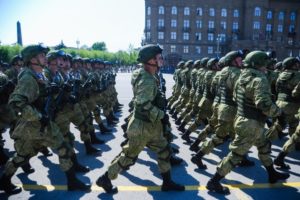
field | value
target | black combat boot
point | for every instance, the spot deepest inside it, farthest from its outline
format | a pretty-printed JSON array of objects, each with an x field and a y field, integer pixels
[
  {"x": 27, "y": 168},
  {"x": 186, "y": 137},
  {"x": 78, "y": 167},
  {"x": 174, "y": 115},
  {"x": 74, "y": 183},
  {"x": 172, "y": 111},
  {"x": 195, "y": 146},
  {"x": 169, "y": 185},
  {"x": 45, "y": 151},
  {"x": 174, "y": 161},
  {"x": 7, "y": 186},
  {"x": 174, "y": 150},
  {"x": 110, "y": 121},
  {"x": 279, "y": 161},
  {"x": 297, "y": 146},
  {"x": 214, "y": 185},
  {"x": 94, "y": 139},
  {"x": 3, "y": 157},
  {"x": 124, "y": 127},
  {"x": 90, "y": 150},
  {"x": 178, "y": 121},
  {"x": 104, "y": 129},
  {"x": 246, "y": 162},
  {"x": 197, "y": 159},
  {"x": 104, "y": 182},
  {"x": 181, "y": 127},
  {"x": 274, "y": 175},
  {"x": 113, "y": 117}
]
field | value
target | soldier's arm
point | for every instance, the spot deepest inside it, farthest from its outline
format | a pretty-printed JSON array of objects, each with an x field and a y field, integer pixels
[
  {"x": 296, "y": 91},
  {"x": 262, "y": 98},
  {"x": 145, "y": 94}
]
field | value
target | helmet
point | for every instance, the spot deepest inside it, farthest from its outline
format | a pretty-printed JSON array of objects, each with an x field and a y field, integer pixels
[
  {"x": 290, "y": 62},
  {"x": 148, "y": 52},
  {"x": 180, "y": 64},
  {"x": 229, "y": 57},
  {"x": 197, "y": 63},
  {"x": 33, "y": 50},
  {"x": 15, "y": 59},
  {"x": 278, "y": 65},
  {"x": 77, "y": 59},
  {"x": 188, "y": 64},
  {"x": 3, "y": 80},
  {"x": 204, "y": 61},
  {"x": 55, "y": 54},
  {"x": 211, "y": 62},
  {"x": 222, "y": 62},
  {"x": 256, "y": 59}
]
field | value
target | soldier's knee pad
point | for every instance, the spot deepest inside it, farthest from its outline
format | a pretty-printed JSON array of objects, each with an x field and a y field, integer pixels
[
  {"x": 265, "y": 148},
  {"x": 165, "y": 153}
]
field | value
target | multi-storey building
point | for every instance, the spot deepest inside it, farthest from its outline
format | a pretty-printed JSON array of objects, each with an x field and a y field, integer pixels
[{"x": 192, "y": 29}]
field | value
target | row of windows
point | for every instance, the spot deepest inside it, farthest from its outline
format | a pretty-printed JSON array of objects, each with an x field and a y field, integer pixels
[
  {"x": 223, "y": 25},
  {"x": 212, "y": 12},
  {"x": 186, "y": 36},
  {"x": 196, "y": 49}
]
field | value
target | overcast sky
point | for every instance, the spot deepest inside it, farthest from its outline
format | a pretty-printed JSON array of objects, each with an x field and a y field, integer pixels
[{"x": 118, "y": 23}]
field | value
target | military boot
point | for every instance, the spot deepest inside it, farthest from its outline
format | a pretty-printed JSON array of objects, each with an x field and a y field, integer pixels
[
  {"x": 113, "y": 117},
  {"x": 274, "y": 175},
  {"x": 45, "y": 151},
  {"x": 214, "y": 185},
  {"x": 174, "y": 161},
  {"x": 174, "y": 150},
  {"x": 94, "y": 139},
  {"x": 195, "y": 146},
  {"x": 197, "y": 159},
  {"x": 74, "y": 183},
  {"x": 104, "y": 129},
  {"x": 27, "y": 168},
  {"x": 104, "y": 182},
  {"x": 178, "y": 121},
  {"x": 7, "y": 186},
  {"x": 246, "y": 162},
  {"x": 3, "y": 157},
  {"x": 174, "y": 115},
  {"x": 186, "y": 137},
  {"x": 169, "y": 185},
  {"x": 181, "y": 127},
  {"x": 78, "y": 167},
  {"x": 172, "y": 111},
  {"x": 90, "y": 150},
  {"x": 279, "y": 161}
]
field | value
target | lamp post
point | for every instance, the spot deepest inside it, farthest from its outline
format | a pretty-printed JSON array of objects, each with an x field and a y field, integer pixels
[{"x": 218, "y": 39}]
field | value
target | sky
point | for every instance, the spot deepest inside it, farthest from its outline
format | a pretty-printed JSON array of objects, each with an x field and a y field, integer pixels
[{"x": 118, "y": 23}]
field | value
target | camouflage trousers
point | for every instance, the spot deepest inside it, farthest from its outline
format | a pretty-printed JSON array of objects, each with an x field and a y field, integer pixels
[
  {"x": 289, "y": 145},
  {"x": 249, "y": 132},
  {"x": 141, "y": 134},
  {"x": 28, "y": 140},
  {"x": 188, "y": 117},
  {"x": 174, "y": 97},
  {"x": 188, "y": 106}
]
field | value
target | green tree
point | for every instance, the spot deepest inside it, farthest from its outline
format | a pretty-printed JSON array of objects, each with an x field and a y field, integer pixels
[{"x": 100, "y": 46}]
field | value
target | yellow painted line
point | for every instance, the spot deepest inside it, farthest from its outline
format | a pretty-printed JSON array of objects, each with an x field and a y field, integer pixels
[{"x": 157, "y": 188}]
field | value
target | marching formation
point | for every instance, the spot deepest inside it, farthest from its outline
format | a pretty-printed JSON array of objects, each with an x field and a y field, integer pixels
[{"x": 232, "y": 98}]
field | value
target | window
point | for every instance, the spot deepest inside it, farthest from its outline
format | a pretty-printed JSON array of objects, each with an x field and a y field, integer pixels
[
  {"x": 186, "y": 11},
  {"x": 257, "y": 11},
  {"x": 173, "y": 36},
  {"x": 185, "y": 49},
  {"x": 269, "y": 14},
  {"x": 186, "y": 36},
  {"x": 224, "y": 12},
  {"x": 161, "y": 10},
  {"x": 174, "y": 10},
  {"x": 281, "y": 15},
  {"x": 292, "y": 28},
  {"x": 235, "y": 13},
  {"x": 160, "y": 35},
  {"x": 223, "y": 25},
  {"x": 256, "y": 25},
  {"x": 280, "y": 28},
  {"x": 293, "y": 16},
  {"x": 210, "y": 50},
  {"x": 161, "y": 23},
  {"x": 222, "y": 37},
  {"x": 199, "y": 11},
  {"x": 212, "y": 12},
  {"x": 186, "y": 23},
  {"x": 198, "y": 24},
  {"x": 173, "y": 23},
  {"x": 198, "y": 50},
  {"x": 148, "y": 35},
  {"x": 148, "y": 23},
  {"x": 173, "y": 48},
  {"x": 269, "y": 27},
  {"x": 210, "y": 37},
  {"x": 149, "y": 10},
  {"x": 211, "y": 24},
  {"x": 235, "y": 25},
  {"x": 198, "y": 36}
]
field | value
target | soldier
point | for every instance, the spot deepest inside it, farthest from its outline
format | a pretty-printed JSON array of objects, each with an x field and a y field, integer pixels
[
  {"x": 145, "y": 126},
  {"x": 253, "y": 97},
  {"x": 35, "y": 129},
  {"x": 16, "y": 64}
]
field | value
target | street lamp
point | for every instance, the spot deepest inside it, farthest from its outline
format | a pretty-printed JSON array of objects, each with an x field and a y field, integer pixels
[{"x": 218, "y": 39}]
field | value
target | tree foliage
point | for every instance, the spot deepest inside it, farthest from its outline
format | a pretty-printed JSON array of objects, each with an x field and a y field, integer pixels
[{"x": 100, "y": 46}]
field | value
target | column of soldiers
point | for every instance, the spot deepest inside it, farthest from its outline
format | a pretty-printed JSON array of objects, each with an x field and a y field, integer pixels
[
  {"x": 234, "y": 98},
  {"x": 42, "y": 93}
]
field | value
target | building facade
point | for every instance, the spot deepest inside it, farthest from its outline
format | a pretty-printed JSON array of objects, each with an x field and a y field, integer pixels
[{"x": 192, "y": 29}]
